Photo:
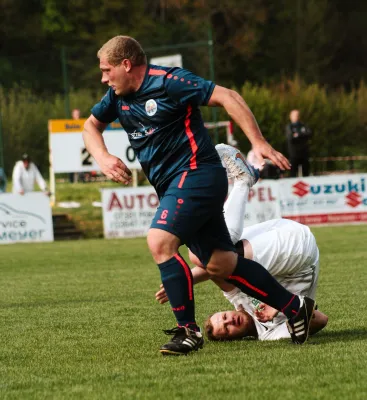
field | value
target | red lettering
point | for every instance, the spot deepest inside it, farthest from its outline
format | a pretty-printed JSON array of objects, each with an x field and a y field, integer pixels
[
  {"x": 140, "y": 198},
  {"x": 251, "y": 194},
  {"x": 261, "y": 194},
  {"x": 153, "y": 200},
  {"x": 132, "y": 202},
  {"x": 114, "y": 202},
  {"x": 180, "y": 308}
]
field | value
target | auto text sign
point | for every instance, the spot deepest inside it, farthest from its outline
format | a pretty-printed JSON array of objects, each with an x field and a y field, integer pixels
[
  {"x": 325, "y": 199},
  {"x": 128, "y": 212},
  {"x": 26, "y": 218}
]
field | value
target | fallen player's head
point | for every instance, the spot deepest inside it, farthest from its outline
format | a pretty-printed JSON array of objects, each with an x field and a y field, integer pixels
[{"x": 229, "y": 325}]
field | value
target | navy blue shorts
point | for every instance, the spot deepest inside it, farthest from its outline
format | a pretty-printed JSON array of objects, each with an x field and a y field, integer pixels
[{"x": 192, "y": 209}]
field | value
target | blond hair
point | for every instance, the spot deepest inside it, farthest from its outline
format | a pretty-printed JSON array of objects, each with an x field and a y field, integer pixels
[{"x": 123, "y": 47}]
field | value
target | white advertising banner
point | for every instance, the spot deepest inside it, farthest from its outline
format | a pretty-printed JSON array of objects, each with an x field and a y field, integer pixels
[
  {"x": 70, "y": 155},
  {"x": 263, "y": 203},
  {"x": 128, "y": 212},
  {"x": 26, "y": 218},
  {"x": 325, "y": 199},
  {"x": 311, "y": 201}
]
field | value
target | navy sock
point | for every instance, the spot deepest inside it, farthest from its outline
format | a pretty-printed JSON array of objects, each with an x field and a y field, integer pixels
[
  {"x": 254, "y": 280},
  {"x": 178, "y": 283}
]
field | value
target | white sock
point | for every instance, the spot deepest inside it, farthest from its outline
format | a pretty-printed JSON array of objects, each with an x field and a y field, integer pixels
[{"x": 235, "y": 208}]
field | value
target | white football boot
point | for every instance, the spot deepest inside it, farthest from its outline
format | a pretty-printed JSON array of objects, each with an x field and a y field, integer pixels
[{"x": 236, "y": 165}]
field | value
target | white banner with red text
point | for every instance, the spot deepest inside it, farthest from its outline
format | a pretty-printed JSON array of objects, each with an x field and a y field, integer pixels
[
  {"x": 26, "y": 218},
  {"x": 128, "y": 212},
  {"x": 321, "y": 200}
]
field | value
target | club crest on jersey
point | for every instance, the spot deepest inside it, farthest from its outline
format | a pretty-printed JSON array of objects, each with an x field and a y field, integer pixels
[{"x": 151, "y": 107}]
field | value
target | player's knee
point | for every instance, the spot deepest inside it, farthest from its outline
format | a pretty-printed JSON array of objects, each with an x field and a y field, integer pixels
[
  {"x": 162, "y": 245},
  {"x": 222, "y": 264}
]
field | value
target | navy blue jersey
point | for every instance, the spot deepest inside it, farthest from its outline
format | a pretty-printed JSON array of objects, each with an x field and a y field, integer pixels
[{"x": 164, "y": 123}]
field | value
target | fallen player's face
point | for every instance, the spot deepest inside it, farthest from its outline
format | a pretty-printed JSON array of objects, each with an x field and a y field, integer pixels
[{"x": 228, "y": 325}]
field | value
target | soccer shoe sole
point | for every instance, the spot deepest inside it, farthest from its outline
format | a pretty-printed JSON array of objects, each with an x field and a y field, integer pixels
[
  {"x": 309, "y": 314},
  {"x": 167, "y": 352}
]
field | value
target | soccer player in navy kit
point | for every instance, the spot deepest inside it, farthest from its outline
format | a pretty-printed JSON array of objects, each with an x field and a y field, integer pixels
[{"x": 159, "y": 109}]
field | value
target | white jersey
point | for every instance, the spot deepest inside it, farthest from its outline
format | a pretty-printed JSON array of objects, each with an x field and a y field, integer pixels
[
  {"x": 289, "y": 252},
  {"x": 24, "y": 179}
]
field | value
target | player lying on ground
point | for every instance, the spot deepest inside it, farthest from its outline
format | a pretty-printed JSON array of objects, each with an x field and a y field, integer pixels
[{"x": 285, "y": 248}]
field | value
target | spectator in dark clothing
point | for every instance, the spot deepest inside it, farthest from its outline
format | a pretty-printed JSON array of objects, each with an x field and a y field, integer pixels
[
  {"x": 2, "y": 181},
  {"x": 298, "y": 135}
]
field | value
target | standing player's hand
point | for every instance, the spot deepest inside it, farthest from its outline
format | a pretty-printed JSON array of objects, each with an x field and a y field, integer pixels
[
  {"x": 161, "y": 295},
  {"x": 265, "y": 313},
  {"x": 264, "y": 150},
  {"x": 115, "y": 169}
]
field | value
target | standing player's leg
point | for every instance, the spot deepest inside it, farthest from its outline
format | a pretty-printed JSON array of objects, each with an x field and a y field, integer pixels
[
  {"x": 187, "y": 206},
  {"x": 176, "y": 278}
]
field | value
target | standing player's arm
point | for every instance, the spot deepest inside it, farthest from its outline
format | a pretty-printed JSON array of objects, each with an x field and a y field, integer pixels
[
  {"x": 110, "y": 165},
  {"x": 239, "y": 111}
]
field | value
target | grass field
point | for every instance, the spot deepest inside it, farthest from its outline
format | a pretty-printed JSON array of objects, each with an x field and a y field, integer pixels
[{"x": 79, "y": 321}]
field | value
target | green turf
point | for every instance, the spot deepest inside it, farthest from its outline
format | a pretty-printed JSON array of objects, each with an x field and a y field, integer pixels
[{"x": 79, "y": 321}]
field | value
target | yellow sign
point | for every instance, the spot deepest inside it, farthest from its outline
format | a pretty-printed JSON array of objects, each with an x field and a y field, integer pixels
[
  {"x": 74, "y": 125},
  {"x": 66, "y": 125}
]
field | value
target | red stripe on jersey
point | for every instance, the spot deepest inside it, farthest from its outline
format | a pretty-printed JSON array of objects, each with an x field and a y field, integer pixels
[
  {"x": 190, "y": 135},
  {"x": 182, "y": 180},
  {"x": 156, "y": 72},
  {"x": 187, "y": 273},
  {"x": 244, "y": 282}
]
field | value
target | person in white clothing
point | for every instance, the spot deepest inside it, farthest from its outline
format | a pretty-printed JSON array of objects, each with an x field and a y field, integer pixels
[
  {"x": 287, "y": 249},
  {"x": 25, "y": 175}
]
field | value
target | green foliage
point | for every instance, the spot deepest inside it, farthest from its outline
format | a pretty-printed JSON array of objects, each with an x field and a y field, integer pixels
[
  {"x": 79, "y": 321},
  {"x": 262, "y": 41},
  {"x": 337, "y": 118},
  {"x": 25, "y": 118}
]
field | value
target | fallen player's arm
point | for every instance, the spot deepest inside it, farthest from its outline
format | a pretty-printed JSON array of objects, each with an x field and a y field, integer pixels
[{"x": 265, "y": 313}]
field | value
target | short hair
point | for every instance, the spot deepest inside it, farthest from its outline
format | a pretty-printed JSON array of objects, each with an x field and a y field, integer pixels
[
  {"x": 123, "y": 47},
  {"x": 208, "y": 329},
  {"x": 25, "y": 157}
]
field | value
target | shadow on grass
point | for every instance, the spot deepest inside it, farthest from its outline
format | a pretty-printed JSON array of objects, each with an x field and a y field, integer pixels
[{"x": 344, "y": 335}]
